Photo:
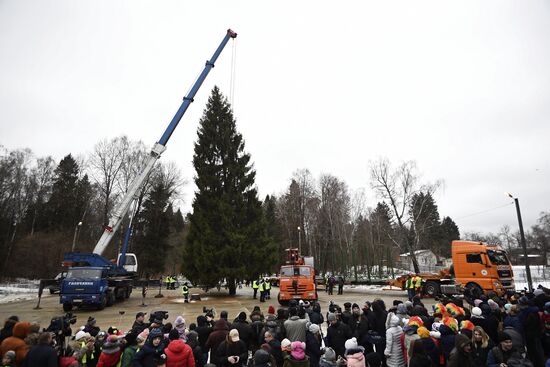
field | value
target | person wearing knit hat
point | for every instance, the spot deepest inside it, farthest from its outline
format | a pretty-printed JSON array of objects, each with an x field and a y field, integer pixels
[
  {"x": 354, "y": 353},
  {"x": 454, "y": 310},
  {"x": 477, "y": 302},
  {"x": 314, "y": 328},
  {"x": 286, "y": 345},
  {"x": 110, "y": 355},
  {"x": 476, "y": 311},
  {"x": 271, "y": 310},
  {"x": 143, "y": 336},
  {"x": 179, "y": 325},
  {"x": 439, "y": 310},
  {"x": 423, "y": 332},
  {"x": 328, "y": 359},
  {"x": 503, "y": 352},
  {"x": 451, "y": 323},
  {"x": 298, "y": 353}
]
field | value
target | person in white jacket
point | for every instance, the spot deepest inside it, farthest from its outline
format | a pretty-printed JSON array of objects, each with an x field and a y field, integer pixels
[{"x": 393, "y": 351}]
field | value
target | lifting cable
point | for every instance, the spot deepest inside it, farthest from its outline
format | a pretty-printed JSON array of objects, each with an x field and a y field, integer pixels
[
  {"x": 485, "y": 211},
  {"x": 232, "y": 76}
]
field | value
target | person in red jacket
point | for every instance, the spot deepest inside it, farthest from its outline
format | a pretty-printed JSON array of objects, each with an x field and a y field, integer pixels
[
  {"x": 110, "y": 355},
  {"x": 179, "y": 354}
]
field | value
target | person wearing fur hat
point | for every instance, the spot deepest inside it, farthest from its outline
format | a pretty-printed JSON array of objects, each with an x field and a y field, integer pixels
[
  {"x": 461, "y": 355},
  {"x": 313, "y": 345},
  {"x": 16, "y": 342},
  {"x": 232, "y": 352},
  {"x": 297, "y": 356},
  {"x": 152, "y": 352},
  {"x": 110, "y": 355},
  {"x": 354, "y": 353},
  {"x": 83, "y": 347}
]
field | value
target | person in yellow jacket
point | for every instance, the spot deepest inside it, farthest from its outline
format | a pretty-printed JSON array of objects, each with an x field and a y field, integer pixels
[
  {"x": 185, "y": 292},
  {"x": 255, "y": 287},
  {"x": 261, "y": 288},
  {"x": 267, "y": 288},
  {"x": 167, "y": 281},
  {"x": 409, "y": 286},
  {"x": 418, "y": 285}
]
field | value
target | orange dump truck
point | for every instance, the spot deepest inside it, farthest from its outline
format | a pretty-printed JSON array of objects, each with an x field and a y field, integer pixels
[
  {"x": 297, "y": 279},
  {"x": 477, "y": 266}
]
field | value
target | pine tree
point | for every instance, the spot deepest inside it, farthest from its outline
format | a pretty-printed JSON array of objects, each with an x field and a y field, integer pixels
[
  {"x": 450, "y": 232},
  {"x": 62, "y": 206},
  {"x": 227, "y": 235}
]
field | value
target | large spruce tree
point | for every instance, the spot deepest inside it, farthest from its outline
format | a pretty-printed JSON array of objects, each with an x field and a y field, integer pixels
[{"x": 227, "y": 235}]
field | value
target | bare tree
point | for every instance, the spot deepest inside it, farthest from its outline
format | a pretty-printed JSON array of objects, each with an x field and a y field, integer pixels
[{"x": 398, "y": 187}]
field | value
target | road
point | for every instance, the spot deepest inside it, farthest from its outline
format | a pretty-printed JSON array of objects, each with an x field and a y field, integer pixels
[{"x": 173, "y": 303}]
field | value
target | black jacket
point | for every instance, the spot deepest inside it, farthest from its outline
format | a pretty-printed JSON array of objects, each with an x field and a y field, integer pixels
[
  {"x": 337, "y": 335},
  {"x": 232, "y": 349},
  {"x": 41, "y": 355}
]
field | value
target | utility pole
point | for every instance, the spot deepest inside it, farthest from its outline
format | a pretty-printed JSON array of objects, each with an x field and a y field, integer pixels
[{"x": 523, "y": 244}]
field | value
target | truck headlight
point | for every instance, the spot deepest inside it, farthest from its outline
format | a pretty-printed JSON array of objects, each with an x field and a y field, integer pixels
[{"x": 496, "y": 284}]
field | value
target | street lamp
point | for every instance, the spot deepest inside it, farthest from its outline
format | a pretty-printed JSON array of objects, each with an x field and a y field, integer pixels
[
  {"x": 299, "y": 240},
  {"x": 522, "y": 235},
  {"x": 75, "y": 234}
]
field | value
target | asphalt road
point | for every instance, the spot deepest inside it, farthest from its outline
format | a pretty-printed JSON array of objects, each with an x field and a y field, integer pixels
[{"x": 173, "y": 303}]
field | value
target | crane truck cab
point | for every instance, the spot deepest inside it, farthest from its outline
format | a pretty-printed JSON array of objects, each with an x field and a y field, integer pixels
[
  {"x": 481, "y": 267},
  {"x": 297, "y": 279}
]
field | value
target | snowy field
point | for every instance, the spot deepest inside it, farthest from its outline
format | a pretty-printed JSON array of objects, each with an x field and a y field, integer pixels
[
  {"x": 18, "y": 290},
  {"x": 539, "y": 275}
]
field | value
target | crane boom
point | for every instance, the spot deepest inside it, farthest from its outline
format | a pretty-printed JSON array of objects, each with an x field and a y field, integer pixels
[{"x": 157, "y": 150}]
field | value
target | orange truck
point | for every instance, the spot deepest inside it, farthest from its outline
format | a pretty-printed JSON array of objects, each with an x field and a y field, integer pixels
[
  {"x": 297, "y": 279},
  {"x": 477, "y": 266}
]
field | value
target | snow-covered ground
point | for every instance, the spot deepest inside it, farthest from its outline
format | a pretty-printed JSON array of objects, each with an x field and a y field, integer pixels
[
  {"x": 539, "y": 275},
  {"x": 18, "y": 290}
]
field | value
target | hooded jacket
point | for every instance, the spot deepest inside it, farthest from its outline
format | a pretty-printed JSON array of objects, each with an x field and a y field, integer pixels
[
  {"x": 215, "y": 338},
  {"x": 149, "y": 355},
  {"x": 355, "y": 357},
  {"x": 229, "y": 348},
  {"x": 203, "y": 330},
  {"x": 458, "y": 357},
  {"x": 394, "y": 352},
  {"x": 179, "y": 325},
  {"x": 179, "y": 354},
  {"x": 16, "y": 342},
  {"x": 244, "y": 328}
]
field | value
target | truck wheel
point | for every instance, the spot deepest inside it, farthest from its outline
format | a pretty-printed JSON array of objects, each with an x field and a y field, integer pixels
[
  {"x": 127, "y": 293},
  {"x": 67, "y": 307},
  {"x": 110, "y": 299},
  {"x": 281, "y": 302},
  {"x": 432, "y": 289},
  {"x": 102, "y": 304}
]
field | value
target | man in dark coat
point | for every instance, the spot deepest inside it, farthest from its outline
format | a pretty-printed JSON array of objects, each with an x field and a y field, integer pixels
[
  {"x": 203, "y": 330},
  {"x": 337, "y": 334},
  {"x": 216, "y": 337},
  {"x": 42, "y": 354},
  {"x": 8, "y": 327},
  {"x": 275, "y": 348},
  {"x": 244, "y": 328}
]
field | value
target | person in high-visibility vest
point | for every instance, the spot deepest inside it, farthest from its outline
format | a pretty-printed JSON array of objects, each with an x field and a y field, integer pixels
[
  {"x": 185, "y": 292},
  {"x": 167, "y": 281},
  {"x": 255, "y": 287},
  {"x": 172, "y": 282},
  {"x": 261, "y": 288},
  {"x": 418, "y": 285},
  {"x": 267, "y": 288},
  {"x": 409, "y": 286}
]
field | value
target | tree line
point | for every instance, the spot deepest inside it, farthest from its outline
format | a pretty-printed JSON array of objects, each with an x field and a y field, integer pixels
[{"x": 48, "y": 208}]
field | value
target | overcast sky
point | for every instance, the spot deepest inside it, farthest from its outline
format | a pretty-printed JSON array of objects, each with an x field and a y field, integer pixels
[{"x": 461, "y": 87}]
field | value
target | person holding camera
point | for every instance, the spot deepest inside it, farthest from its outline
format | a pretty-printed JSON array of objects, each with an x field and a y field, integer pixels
[{"x": 232, "y": 352}]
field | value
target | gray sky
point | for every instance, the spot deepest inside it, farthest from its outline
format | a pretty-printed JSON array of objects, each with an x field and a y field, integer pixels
[{"x": 462, "y": 87}]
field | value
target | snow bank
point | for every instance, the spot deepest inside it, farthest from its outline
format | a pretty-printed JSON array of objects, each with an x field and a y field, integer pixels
[{"x": 18, "y": 290}]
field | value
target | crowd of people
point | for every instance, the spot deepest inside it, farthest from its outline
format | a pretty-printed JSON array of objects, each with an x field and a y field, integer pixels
[{"x": 492, "y": 331}]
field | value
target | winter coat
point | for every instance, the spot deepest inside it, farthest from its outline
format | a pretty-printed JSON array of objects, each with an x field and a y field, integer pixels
[
  {"x": 216, "y": 337},
  {"x": 295, "y": 329},
  {"x": 355, "y": 357},
  {"x": 193, "y": 342},
  {"x": 128, "y": 355},
  {"x": 421, "y": 360},
  {"x": 257, "y": 337},
  {"x": 393, "y": 351},
  {"x": 179, "y": 354},
  {"x": 408, "y": 339},
  {"x": 41, "y": 355},
  {"x": 227, "y": 349},
  {"x": 204, "y": 330},
  {"x": 431, "y": 347},
  {"x": 244, "y": 329},
  {"x": 447, "y": 341},
  {"x": 291, "y": 362},
  {"x": 458, "y": 358},
  {"x": 16, "y": 342},
  {"x": 514, "y": 322},
  {"x": 313, "y": 348},
  {"x": 337, "y": 335},
  {"x": 148, "y": 355},
  {"x": 276, "y": 352},
  {"x": 109, "y": 359},
  {"x": 324, "y": 363},
  {"x": 316, "y": 317},
  {"x": 479, "y": 354},
  {"x": 497, "y": 356}
]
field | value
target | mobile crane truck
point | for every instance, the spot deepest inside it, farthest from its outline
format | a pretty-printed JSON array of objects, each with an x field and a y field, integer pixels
[
  {"x": 94, "y": 280},
  {"x": 297, "y": 278},
  {"x": 477, "y": 266}
]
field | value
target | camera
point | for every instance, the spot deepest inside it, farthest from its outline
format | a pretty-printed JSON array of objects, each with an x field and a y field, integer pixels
[
  {"x": 208, "y": 311},
  {"x": 60, "y": 326},
  {"x": 158, "y": 316}
]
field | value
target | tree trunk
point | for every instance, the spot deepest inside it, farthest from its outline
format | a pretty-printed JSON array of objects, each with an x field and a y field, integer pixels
[{"x": 231, "y": 286}]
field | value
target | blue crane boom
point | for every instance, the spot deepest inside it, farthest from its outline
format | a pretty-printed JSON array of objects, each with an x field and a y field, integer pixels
[{"x": 133, "y": 192}]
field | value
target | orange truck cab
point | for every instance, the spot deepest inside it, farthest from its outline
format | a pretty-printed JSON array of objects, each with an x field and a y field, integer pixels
[
  {"x": 297, "y": 279},
  {"x": 480, "y": 267}
]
